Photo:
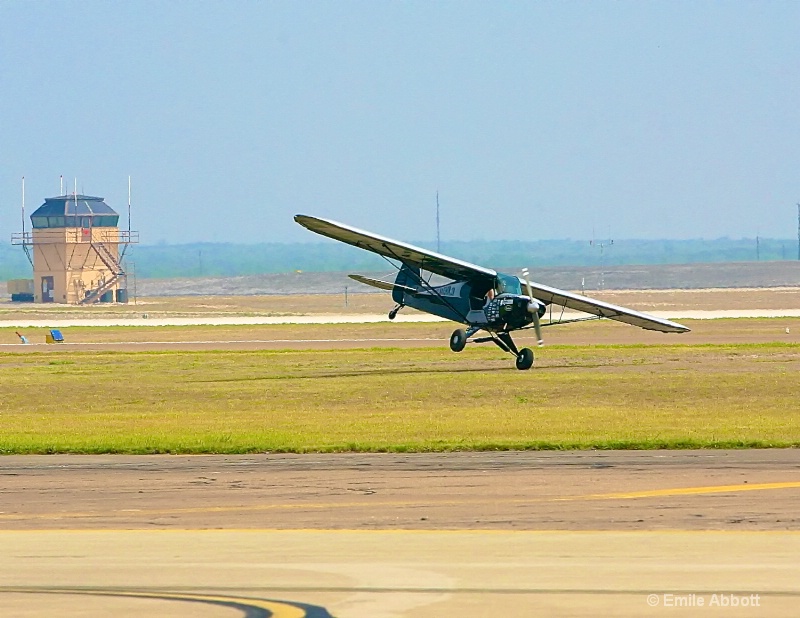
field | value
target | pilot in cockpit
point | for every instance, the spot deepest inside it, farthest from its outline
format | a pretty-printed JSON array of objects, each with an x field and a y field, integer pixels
[
  {"x": 494, "y": 291},
  {"x": 499, "y": 288}
]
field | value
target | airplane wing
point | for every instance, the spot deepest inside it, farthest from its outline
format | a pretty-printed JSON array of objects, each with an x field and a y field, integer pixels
[
  {"x": 603, "y": 309},
  {"x": 394, "y": 249}
]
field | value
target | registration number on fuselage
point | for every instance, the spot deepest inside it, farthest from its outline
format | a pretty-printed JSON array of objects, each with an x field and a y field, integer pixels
[{"x": 448, "y": 290}]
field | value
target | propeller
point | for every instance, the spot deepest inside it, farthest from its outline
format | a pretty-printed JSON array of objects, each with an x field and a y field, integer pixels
[{"x": 533, "y": 308}]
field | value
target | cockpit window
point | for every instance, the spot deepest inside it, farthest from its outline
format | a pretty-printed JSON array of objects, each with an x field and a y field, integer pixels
[{"x": 507, "y": 284}]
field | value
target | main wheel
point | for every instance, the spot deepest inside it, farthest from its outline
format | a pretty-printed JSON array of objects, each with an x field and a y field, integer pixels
[
  {"x": 525, "y": 359},
  {"x": 458, "y": 340}
]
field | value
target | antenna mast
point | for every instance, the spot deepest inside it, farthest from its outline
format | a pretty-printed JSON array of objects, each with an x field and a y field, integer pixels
[
  {"x": 61, "y": 184},
  {"x": 22, "y": 240},
  {"x": 438, "y": 241},
  {"x": 126, "y": 240}
]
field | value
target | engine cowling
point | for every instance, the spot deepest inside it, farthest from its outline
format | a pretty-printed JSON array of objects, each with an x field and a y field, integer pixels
[{"x": 509, "y": 311}]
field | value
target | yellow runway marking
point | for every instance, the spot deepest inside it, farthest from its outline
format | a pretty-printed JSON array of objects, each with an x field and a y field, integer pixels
[
  {"x": 689, "y": 491},
  {"x": 632, "y": 495},
  {"x": 275, "y": 609}
]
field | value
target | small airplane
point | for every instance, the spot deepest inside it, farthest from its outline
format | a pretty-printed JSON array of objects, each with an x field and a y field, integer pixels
[{"x": 480, "y": 298}]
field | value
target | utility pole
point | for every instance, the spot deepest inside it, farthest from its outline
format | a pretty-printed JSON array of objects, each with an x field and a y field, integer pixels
[
  {"x": 602, "y": 245},
  {"x": 798, "y": 231}
]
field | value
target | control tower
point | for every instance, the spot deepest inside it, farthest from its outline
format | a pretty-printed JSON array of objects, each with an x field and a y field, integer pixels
[{"x": 74, "y": 248}]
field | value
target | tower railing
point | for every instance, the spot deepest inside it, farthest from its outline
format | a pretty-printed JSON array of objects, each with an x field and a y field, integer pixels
[
  {"x": 76, "y": 235},
  {"x": 22, "y": 238}
]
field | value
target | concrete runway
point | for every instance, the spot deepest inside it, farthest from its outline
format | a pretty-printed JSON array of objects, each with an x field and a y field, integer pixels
[
  {"x": 591, "y": 533},
  {"x": 411, "y": 317}
]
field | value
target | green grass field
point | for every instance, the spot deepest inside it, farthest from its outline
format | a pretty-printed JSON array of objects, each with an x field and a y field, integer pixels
[{"x": 628, "y": 396}]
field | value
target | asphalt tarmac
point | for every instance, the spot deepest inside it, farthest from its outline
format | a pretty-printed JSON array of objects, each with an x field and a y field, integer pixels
[{"x": 590, "y": 533}]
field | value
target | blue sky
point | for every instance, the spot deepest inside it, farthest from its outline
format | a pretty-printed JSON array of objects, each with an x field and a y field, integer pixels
[{"x": 531, "y": 119}]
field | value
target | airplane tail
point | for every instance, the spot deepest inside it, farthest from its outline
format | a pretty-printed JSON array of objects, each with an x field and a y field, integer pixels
[{"x": 407, "y": 277}]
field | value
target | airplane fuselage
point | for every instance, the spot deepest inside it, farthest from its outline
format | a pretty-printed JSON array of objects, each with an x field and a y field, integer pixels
[{"x": 466, "y": 302}]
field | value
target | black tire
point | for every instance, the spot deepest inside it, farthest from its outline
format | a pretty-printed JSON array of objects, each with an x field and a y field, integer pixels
[
  {"x": 458, "y": 340},
  {"x": 525, "y": 359}
]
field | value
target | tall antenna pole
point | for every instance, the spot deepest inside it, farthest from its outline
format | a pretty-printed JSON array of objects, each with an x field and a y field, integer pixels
[
  {"x": 23, "y": 209},
  {"x": 438, "y": 239},
  {"x": 127, "y": 241},
  {"x": 61, "y": 184},
  {"x": 25, "y": 245}
]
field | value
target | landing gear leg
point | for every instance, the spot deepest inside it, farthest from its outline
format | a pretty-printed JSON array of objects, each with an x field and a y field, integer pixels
[
  {"x": 524, "y": 356},
  {"x": 509, "y": 343},
  {"x": 393, "y": 312}
]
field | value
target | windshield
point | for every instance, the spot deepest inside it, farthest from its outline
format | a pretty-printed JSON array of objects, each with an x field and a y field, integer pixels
[{"x": 507, "y": 284}]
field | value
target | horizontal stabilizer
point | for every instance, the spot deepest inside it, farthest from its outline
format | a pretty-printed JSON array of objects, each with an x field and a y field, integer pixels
[{"x": 377, "y": 283}]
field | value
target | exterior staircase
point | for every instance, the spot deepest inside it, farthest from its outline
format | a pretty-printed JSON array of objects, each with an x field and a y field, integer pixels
[{"x": 117, "y": 273}]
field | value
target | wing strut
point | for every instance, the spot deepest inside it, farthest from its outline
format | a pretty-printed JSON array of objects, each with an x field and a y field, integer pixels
[{"x": 423, "y": 283}]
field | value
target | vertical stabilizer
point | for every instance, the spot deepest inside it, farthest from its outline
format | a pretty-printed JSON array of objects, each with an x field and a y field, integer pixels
[{"x": 407, "y": 277}]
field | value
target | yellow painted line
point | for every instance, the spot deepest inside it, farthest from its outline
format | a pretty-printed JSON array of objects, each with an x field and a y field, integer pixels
[
  {"x": 276, "y": 608},
  {"x": 367, "y": 504},
  {"x": 220, "y": 509},
  {"x": 689, "y": 491},
  {"x": 279, "y": 610}
]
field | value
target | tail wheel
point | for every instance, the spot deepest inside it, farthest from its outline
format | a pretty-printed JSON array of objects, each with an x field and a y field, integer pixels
[
  {"x": 458, "y": 340},
  {"x": 524, "y": 359}
]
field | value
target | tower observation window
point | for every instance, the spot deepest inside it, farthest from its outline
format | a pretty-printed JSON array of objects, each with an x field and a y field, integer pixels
[{"x": 72, "y": 221}]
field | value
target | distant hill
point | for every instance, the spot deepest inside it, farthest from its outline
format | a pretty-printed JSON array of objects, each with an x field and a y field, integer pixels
[
  {"x": 231, "y": 260},
  {"x": 653, "y": 276}
]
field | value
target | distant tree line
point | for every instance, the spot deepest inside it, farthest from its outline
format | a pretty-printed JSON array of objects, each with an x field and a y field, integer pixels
[{"x": 227, "y": 260}]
